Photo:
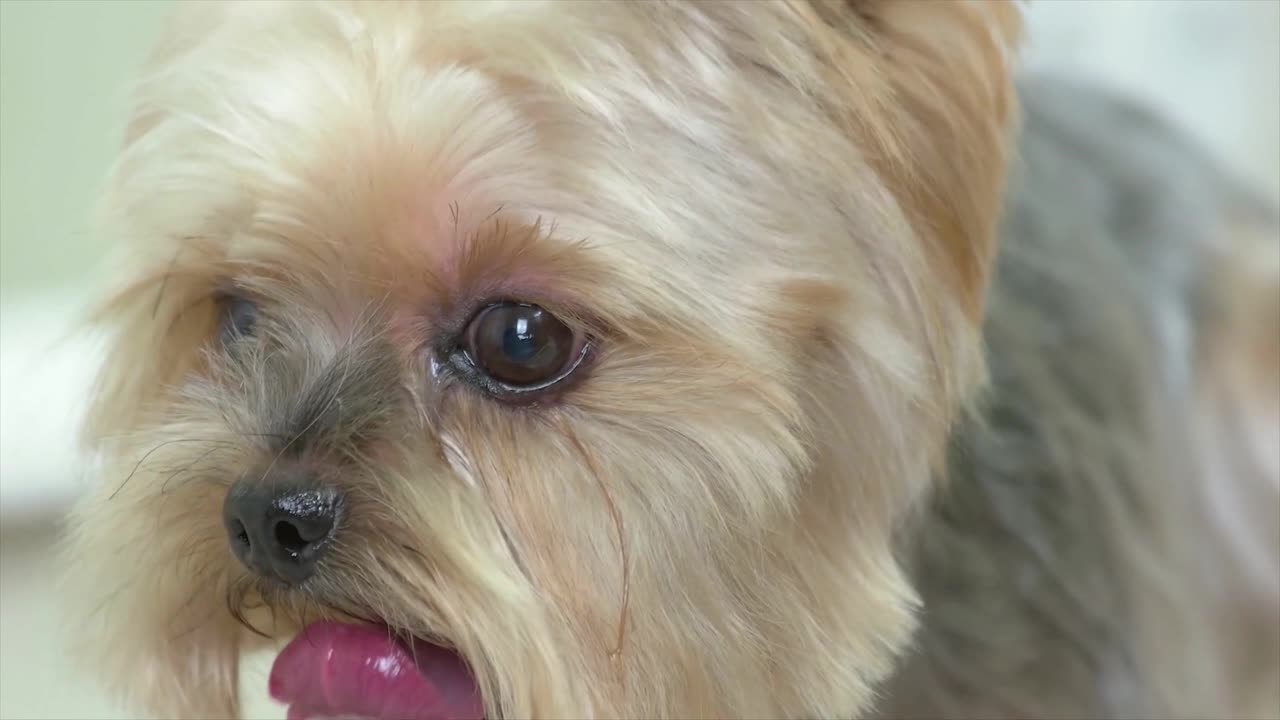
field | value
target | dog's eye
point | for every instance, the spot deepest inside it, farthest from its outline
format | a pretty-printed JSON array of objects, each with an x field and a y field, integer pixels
[
  {"x": 521, "y": 347},
  {"x": 237, "y": 318}
]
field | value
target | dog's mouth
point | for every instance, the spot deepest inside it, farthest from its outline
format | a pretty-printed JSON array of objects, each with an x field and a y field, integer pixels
[{"x": 335, "y": 669}]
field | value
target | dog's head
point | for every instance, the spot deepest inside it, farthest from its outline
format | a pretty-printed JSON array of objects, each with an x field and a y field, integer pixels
[{"x": 603, "y": 344}]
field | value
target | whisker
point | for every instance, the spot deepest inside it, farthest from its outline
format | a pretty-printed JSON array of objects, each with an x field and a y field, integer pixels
[
  {"x": 619, "y": 529},
  {"x": 164, "y": 283},
  {"x": 164, "y": 487},
  {"x": 151, "y": 452}
]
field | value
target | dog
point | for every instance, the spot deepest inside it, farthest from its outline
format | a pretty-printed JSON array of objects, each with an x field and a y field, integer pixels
[{"x": 689, "y": 360}]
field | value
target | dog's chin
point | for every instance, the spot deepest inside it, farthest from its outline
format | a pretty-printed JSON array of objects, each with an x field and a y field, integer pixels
[{"x": 334, "y": 669}]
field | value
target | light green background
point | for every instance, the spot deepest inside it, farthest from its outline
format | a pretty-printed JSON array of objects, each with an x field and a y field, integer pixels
[{"x": 65, "y": 66}]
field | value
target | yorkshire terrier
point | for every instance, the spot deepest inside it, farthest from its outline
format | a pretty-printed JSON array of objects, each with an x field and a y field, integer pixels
[{"x": 675, "y": 360}]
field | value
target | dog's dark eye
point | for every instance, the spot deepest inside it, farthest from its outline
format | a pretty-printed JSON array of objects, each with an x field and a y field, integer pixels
[
  {"x": 521, "y": 347},
  {"x": 237, "y": 318}
]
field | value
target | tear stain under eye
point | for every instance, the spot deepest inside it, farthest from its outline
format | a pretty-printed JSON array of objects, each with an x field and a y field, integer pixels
[
  {"x": 453, "y": 458},
  {"x": 624, "y": 613}
]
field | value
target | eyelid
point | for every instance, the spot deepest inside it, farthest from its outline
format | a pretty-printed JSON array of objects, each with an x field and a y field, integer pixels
[
  {"x": 454, "y": 353},
  {"x": 461, "y": 363}
]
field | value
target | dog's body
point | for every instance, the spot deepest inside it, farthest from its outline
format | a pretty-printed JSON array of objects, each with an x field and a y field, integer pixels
[
  {"x": 775, "y": 477},
  {"x": 1083, "y": 504}
]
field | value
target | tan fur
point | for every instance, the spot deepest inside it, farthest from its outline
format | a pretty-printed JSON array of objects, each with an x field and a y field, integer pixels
[
  {"x": 934, "y": 76},
  {"x": 1238, "y": 441},
  {"x": 778, "y": 219}
]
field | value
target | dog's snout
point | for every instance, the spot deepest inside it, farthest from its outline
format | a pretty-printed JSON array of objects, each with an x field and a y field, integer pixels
[{"x": 280, "y": 532}]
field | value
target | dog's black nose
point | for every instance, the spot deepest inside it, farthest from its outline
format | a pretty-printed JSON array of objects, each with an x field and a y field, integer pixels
[{"x": 280, "y": 532}]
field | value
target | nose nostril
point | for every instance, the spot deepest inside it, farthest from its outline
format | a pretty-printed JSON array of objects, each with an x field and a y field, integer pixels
[
  {"x": 290, "y": 538},
  {"x": 280, "y": 533}
]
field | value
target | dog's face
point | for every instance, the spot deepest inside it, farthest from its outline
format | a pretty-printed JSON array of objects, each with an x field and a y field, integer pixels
[{"x": 606, "y": 345}]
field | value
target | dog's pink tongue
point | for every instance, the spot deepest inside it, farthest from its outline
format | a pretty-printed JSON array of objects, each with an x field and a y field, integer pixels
[{"x": 334, "y": 669}]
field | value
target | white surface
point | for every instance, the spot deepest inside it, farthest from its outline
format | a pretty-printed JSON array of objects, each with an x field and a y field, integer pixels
[
  {"x": 45, "y": 373},
  {"x": 36, "y": 680}
]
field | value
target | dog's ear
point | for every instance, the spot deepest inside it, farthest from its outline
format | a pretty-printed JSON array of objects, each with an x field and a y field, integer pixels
[{"x": 929, "y": 89}]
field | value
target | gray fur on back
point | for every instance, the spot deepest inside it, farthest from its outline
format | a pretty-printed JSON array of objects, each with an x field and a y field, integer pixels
[{"x": 1053, "y": 572}]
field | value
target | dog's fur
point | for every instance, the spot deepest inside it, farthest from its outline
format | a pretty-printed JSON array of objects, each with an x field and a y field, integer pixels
[{"x": 782, "y": 487}]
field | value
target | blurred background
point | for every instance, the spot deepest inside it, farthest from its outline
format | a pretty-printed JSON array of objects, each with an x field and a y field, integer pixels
[{"x": 1213, "y": 66}]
